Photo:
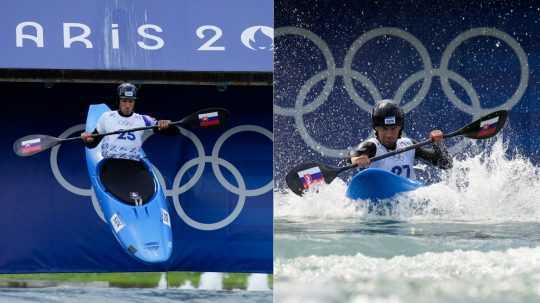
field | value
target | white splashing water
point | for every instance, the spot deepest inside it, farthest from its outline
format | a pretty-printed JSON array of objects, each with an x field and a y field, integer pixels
[
  {"x": 187, "y": 285},
  {"x": 163, "y": 284},
  {"x": 211, "y": 281},
  {"x": 429, "y": 277},
  {"x": 328, "y": 203},
  {"x": 488, "y": 187},
  {"x": 257, "y": 282}
]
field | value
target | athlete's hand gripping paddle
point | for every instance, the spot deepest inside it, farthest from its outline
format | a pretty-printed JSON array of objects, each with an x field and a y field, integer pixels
[
  {"x": 305, "y": 175},
  {"x": 205, "y": 118}
]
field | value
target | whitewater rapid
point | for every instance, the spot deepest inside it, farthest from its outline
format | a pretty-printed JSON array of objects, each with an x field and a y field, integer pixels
[
  {"x": 487, "y": 187},
  {"x": 471, "y": 236}
]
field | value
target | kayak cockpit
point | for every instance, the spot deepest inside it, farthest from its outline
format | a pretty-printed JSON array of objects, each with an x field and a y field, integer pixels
[{"x": 129, "y": 181}]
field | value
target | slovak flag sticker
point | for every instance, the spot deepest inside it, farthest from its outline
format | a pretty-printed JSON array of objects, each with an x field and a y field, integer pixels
[
  {"x": 311, "y": 176},
  {"x": 32, "y": 145},
  {"x": 209, "y": 119},
  {"x": 488, "y": 127}
]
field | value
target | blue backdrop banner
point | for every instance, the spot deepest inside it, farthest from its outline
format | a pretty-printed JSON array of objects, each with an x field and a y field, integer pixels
[
  {"x": 166, "y": 35},
  {"x": 446, "y": 63},
  {"x": 217, "y": 183}
]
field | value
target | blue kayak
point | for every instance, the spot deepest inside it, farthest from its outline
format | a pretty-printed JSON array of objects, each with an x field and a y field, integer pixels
[
  {"x": 377, "y": 184},
  {"x": 131, "y": 199}
]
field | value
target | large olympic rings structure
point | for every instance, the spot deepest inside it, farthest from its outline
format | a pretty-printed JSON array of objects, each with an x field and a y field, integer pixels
[
  {"x": 177, "y": 189},
  {"x": 426, "y": 75}
]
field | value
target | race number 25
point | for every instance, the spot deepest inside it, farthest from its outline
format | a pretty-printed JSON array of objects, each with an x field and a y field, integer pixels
[{"x": 127, "y": 136}]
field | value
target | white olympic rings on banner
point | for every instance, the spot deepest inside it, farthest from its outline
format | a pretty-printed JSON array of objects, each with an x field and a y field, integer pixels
[
  {"x": 426, "y": 75},
  {"x": 201, "y": 160}
]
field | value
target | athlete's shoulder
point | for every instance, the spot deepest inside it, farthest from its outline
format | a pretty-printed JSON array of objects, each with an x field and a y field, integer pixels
[
  {"x": 108, "y": 115},
  {"x": 105, "y": 120}
]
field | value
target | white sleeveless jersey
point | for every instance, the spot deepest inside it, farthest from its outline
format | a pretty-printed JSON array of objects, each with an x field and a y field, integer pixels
[
  {"x": 125, "y": 145},
  {"x": 400, "y": 164}
]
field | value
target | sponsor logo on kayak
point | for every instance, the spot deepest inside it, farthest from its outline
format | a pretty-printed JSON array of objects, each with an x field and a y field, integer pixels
[
  {"x": 209, "y": 119},
  {"x": 165, "y": 218},
  {"x": 390, "y": 120},
  {"x": 311, "y": 176},
  {"x": 488, "y": 127},
  {"x": 32, "y": 145},
  {"x": 117, "y": 223}
]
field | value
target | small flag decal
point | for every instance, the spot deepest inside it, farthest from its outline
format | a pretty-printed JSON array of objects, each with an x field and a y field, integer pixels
[
  {"x": 488, "y": 127},
  {"x": 311, "y": 176},
  {"x": 29, "y": 146},
  {"x": 209, "y": 119}
]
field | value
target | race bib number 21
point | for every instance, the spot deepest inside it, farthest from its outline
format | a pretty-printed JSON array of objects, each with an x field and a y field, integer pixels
[{"x": 403, "y": 170}]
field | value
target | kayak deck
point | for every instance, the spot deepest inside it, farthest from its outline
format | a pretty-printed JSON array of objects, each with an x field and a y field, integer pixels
[{"x": 378, "y": 184}]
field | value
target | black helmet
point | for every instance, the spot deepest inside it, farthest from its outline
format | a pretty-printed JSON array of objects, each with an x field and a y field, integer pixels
[
  {"x": 127, "y": 91},
  {"x": 387, "y": 112}
]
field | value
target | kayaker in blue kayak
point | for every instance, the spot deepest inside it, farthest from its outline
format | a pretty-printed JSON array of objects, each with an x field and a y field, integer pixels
[
  {"x": 387, "y": 121},
  {"x": 125, "y": 145}
]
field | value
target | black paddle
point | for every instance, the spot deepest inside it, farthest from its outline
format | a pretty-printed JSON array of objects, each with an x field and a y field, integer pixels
[
  {"x": 205, "y": 118},
  {"x": 301, "y": 177}
]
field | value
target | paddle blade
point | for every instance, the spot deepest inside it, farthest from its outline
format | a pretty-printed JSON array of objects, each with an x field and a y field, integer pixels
[
  {"x": 207, "y": 118},
  {"x": 33, "y": 144},
  {"x": 485, "y": 127},
  {"x": 307, "y": 175}
]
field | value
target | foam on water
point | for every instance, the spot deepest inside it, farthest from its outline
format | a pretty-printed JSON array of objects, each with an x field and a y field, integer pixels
[
  {"x": 121, "y": 295},
  {"x": 211, "y": 281},
  {"x": 489, "y": 186},
  {"x": 428, "y": 277},
  {"x": 187, "y": 285},
  {"x": 328, "y": 203},
  {"x": 257, "y": 282},
  {"x": 163, "y": 283}
]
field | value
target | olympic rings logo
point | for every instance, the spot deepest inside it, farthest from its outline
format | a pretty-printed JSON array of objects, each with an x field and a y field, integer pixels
[
  {"x": 177, "y": 189},
  {"x": 426, "y": 75}
]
